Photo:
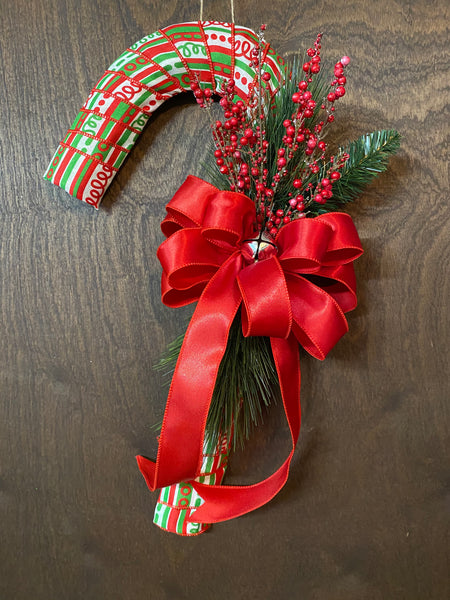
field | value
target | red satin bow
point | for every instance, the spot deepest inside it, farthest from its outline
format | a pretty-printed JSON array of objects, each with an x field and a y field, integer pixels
[{"x": 298, "y": 293}]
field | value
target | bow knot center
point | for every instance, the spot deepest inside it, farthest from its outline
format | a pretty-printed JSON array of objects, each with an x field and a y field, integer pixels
[{"x": 258, "y": 248}]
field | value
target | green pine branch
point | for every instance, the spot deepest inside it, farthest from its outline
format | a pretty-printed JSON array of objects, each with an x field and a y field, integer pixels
[{"x": 369, "y": 156}]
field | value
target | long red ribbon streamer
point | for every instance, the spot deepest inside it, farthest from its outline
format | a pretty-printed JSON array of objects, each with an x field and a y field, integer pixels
[{"x": 295, "y": 293}]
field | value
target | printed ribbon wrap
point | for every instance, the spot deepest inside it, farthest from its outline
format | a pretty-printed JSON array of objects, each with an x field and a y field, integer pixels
[
  {"x": 296, "y": 292},
  {"x": 176, "y": 502}
]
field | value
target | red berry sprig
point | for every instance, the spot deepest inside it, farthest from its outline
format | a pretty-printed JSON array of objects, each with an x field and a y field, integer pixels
[{"x": 242, "y": 149}]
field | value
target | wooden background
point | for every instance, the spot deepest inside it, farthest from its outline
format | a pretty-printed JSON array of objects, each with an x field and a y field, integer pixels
[{"x": 365, "y": 512}]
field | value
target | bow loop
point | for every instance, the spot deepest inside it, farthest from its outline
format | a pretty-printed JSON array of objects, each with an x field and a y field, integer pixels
[
  {"x": 229, "y": 218},
  {"x": 188, "y": 263},
  {"x": 266, "y": 308},
  {"x": 188, "y": 205},
  {"x": 318, "y": 320},
  {"x": 225, "y": 217},
  {"x": 344, "y": 245},
  {"x": 302, "y": 245}
]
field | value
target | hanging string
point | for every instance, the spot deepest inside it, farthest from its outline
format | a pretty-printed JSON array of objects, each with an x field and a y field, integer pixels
[{"x": 232, "y": 10}]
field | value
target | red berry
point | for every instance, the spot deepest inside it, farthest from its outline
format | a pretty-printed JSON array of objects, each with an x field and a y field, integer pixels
[
  {"x": 224, "y": 170},
  {"x": 286, "y": 123},
  {"x": 243, "y": 141},
  {"x": 297, "y": 183},
  {"x": 266, "y": 76},
  {"x": 302, "y": 86},
  {"x": 345, "y": 60},
  {"x": 335, "y": 175},
  {"x": 340, "y": 91},
  {"x": 306, "y": 67},
  {"x": 281, "y": 152},
  {"x": 281, "y": 162},
  {"x": 331, "y": 97},
  {"x": 296, "y": 98},
  {"x": 315, "y": 68}
]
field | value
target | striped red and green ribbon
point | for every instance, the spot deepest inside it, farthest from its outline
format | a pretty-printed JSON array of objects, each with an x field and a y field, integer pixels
[
  {"x": 149, "y": 72},
  {"x": 176, "y": 502}
]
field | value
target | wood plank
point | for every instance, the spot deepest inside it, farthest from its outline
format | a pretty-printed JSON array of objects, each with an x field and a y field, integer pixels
[{"x": 365, "y": 512}]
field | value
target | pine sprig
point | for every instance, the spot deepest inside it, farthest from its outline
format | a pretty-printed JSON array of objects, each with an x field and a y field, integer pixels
[
  {"x": 246, "y": 385},
  {"x": 369, "y": 156}
]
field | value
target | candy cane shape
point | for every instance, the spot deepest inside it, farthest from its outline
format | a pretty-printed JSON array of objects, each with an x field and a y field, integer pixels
[{"x": 152, "y": 70}]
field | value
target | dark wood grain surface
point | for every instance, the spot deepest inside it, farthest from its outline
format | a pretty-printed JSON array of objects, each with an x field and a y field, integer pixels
[{"x": 364, "y": 515}]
